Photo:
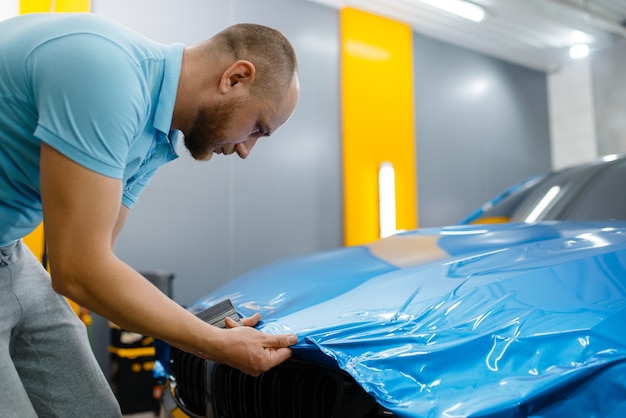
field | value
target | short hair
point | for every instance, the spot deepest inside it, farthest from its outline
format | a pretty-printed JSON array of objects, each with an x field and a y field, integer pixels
[{"x": 268, "y": 49}]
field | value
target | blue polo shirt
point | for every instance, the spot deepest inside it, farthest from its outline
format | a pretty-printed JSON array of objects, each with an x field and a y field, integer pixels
[{"x": 97, "y": 92}]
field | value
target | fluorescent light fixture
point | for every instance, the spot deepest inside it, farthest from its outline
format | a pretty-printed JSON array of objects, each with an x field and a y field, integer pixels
[
  {"x": 387, "y": 199},
  {"x": 461, "y": 8},
  {"x": 579, "y": 51},
  {"x": 543, "y": 204}
]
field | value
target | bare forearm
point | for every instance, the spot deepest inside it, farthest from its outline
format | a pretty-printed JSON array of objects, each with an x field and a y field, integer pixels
[
  {"x": 129, "y": 300},
  {"x": 120, "y": 294}
]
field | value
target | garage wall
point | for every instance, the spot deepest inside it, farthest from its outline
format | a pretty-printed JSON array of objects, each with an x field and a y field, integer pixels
[
  {"x": 572, "y": 114},
  {"x": 587, "y": 99},
  {"x": 481, "y": 125},
  {"x": 609, "y": 97}
]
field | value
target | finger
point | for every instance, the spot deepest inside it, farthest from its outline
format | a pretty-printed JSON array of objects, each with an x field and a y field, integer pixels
[
  {"x": 281, "y": 341},
  {"x": 251, "y": 320},
  {"x": 230, "y": 323}
]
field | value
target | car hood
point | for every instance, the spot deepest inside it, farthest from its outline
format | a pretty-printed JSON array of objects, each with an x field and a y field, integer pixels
[{"x": 475, "y": 320}]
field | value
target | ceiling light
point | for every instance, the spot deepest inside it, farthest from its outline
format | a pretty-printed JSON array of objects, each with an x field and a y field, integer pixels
[
  {"x": 461, "y": 8},
  {"x": 579, "y": 51}
]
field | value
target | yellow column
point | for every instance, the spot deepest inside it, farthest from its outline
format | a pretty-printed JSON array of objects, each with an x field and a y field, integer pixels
[
  {"x": 377, "y": 93},
  {"x": 43, "y": 6}
]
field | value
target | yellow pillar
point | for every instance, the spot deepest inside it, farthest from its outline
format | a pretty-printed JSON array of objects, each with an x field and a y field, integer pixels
[
  {"x": 44, "y": 6},
  {"x": 377, "y": 105}
]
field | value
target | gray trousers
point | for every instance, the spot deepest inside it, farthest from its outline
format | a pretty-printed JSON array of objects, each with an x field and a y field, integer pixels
[{"x": 47, "y": 367}]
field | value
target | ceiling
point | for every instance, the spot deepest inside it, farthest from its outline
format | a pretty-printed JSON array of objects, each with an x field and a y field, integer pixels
[{"x": 532, "y": 33}]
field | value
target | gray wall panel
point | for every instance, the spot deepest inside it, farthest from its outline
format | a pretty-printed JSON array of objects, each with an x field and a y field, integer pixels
[
  {"x": 294, "y": 208},
  {"x": 481, "y": 125}
]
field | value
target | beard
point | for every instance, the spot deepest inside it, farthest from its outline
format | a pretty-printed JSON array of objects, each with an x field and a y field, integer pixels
[{"x": 208, "y": 130}]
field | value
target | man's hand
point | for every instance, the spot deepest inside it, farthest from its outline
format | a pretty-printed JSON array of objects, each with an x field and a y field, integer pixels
[{"x": 251, "y": 351}]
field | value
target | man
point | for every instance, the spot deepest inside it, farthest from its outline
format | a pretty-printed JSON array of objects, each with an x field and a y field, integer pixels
[{"x": 88, "y": 111}]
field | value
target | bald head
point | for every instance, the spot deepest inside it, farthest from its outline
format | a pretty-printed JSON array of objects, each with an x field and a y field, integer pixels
[
  {"x": 236, "y": 87},
  {"x": 267, "y": 49}
]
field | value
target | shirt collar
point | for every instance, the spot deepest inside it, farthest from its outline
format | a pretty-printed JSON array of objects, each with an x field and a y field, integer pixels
[{"x": 167, "y": 96}]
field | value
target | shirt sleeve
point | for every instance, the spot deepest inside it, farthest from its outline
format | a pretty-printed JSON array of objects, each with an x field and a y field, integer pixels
[
  {"x": 131, "y": 196},
  {"x": 91, "y": 100}
]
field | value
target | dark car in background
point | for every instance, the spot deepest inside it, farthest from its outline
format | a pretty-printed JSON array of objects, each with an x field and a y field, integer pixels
[{"x": 518, "y": 311}]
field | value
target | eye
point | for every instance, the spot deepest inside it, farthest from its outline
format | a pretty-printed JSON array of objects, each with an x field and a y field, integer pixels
[{"x": 259, "y": 132}]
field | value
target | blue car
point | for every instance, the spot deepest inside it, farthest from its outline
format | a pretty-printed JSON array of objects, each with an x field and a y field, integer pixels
[{"x": 518, "y": 311}]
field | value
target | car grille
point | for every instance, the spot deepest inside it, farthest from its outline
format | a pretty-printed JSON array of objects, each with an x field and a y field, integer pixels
[
  {"x": 293, "y": 389},
  {"x": 190, "y": 374}
]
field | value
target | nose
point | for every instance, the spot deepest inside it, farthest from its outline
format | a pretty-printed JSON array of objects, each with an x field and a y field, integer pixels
[{"x": 244, "y": 148}]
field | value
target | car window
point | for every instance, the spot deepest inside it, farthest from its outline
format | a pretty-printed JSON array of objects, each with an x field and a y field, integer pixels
[
  {"x": 501, "y": 208},
  {"x": 590, "y": 192},
  {"x": 547, "y": 200},
  {"x": 602, "y": 200}
]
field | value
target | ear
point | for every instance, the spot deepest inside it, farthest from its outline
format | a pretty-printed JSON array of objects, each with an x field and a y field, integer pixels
[{"x": 240, "y": 74}]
